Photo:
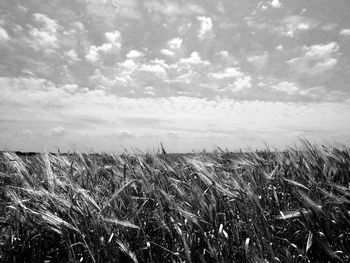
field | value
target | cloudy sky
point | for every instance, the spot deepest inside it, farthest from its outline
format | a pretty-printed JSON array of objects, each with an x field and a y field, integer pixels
[{"x": 108, "y": 74}]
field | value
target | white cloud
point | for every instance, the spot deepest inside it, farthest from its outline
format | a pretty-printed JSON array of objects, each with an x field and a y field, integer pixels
[
  {"x": 72, "y": 55},
  {"x": 150, "y": 91},
  {"x": 134, "y": 54},
  {"x": 206, "y": 28},
  {"x": 345, "y": 32},
  {"x": 239, "y": 80},
  {"x": 295, "y": 24},
  {"x": 57, "y": 132},
  {"x": 167, "y": 52},
  {"x": 158, "y": 70},
  {"x": 71, "y": 88},
  {"x": 193, "y": 59},
  {"x": 114, "y": 37},
  {"x": 102, "y": 81},
  {"x": 160, "y": 62},
  {"x": 242, "y": 83},
  {"x": 289, "y": 26},
  {"x": 128, "y": 9},
  {"x": 329, "y": 26},
  {"x": 223, "y": 53},
  {"x": 259, "y": 61},
  {"x": 4, "y": 37},
  {"x": 276, "y": 3},
  {"x": 190, "y": 116},
  {"x": 27, "y": 132},
  {"x": 125, "y": 134},
  {"x": 314, "y": 92},
  {"x": 287, "y": 87},
  {"x": 316, "y": 59},
  {"x": 129, "y": 64},
  {"x": 321, "y": 51},
  {"x": 108, "y": 12},
  {"x": 113, "y": 44},
  {"x": 227, "y": 73},
  {"x": 175, "y": 43},
  {"x": 172, "y": 8},
  {"x": 220, "y": 7},
  {"x": 43, "y": 39},
  {"x": 47, "y": 36},
  {"x": 79, "y": 26},
  {"x": 174, "y": 47},
  {"x": 48, "y": 24}
]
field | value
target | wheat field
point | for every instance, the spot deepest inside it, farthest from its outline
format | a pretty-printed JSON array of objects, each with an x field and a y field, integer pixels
[{"x": 266, "y": 206}]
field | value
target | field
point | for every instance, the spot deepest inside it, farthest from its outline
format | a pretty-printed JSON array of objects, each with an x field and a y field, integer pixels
[{"x": 267, "y": 206}]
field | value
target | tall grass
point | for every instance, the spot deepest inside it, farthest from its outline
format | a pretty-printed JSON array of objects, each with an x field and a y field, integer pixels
[{"x": 268, "y": 206}]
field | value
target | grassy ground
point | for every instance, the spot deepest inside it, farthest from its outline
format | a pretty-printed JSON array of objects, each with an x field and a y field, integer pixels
[{"x": 219, "y": 207}]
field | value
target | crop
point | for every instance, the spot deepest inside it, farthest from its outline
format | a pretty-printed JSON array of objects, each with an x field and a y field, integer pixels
[{"x": 267, "y": 206}]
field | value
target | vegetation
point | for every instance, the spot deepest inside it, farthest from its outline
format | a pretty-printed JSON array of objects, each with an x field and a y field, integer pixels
[{"x": 268, "y": 206}]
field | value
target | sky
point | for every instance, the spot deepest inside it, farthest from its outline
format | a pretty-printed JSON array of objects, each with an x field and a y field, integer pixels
[{"x": 105, "y": 75}]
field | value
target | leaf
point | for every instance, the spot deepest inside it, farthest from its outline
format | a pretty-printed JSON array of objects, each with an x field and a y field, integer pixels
[
  {"x": 296, "y": 184},
  {"x": 121, "y": 223},
  {"x": 309, "y": 241},
  {"x": 246, "y": 244},
  {"x": 125, "y": 248},
  {"x": 292, "y": 214}
]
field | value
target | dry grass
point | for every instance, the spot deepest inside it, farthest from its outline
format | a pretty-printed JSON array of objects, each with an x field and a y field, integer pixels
[{"x": 219, "y": 207}]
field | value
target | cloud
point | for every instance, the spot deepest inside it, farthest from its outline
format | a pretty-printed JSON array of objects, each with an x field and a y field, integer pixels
[
  {"x": 259, "y": 61},
  {"x": 286, "y": 87},
  {"x": 276, "y": 3},
  {"x": 134, "y": 54},
  {"x": 149, "y": 91},
  {"x": 221, "y": 7},
  {"x": 113, "y": 44},
  {"x": 26, "y": 133},
  {"x": 72, "y": 55},
  {"x": 45, "y": 37},
  {"x": 47, "y": 23},
  {"x": 206, "y": 28},
  {"x": 71, "y": 88},
  {"x": 194, "y": 58},
  {"x": 129, "y": 64},
  {"x": 114, "y": 37},
  {"x": 41, "y": 92},
  {"x": 175, "y": 43},
  {"x": 158, "y": 70},
  {"x": 227, "y": 73},
  {"x": 124, "y": 134},
  {"x": 57, "y": 132},
  {"x": 292, "y": 25},
  {"x": 108, "y": 12},
  {"x": 316, "y": 59},
  {"x": 104, "y": 80},
  {"x": 345, "y": 32},
  {"x": 172, "y": 8},
  {"x": 202, "y": 117},
  {"x": 174, "y": 46},
  {"x": 329, "y": 26},
  {"x": 127, "y": 9},
  {"x": 239, "y": 80},
  {"x": 242, "y": 83},
  {"x": 173, "y": 135},
  {"x": 167, "y": 52},
  {"x": 4, "y": 36}
]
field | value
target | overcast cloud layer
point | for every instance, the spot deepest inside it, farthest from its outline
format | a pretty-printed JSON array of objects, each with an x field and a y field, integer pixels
[{"x": 102, "y": 75}]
